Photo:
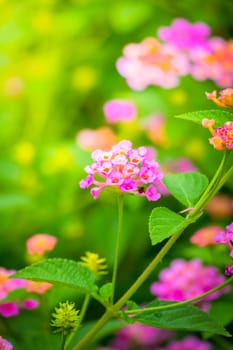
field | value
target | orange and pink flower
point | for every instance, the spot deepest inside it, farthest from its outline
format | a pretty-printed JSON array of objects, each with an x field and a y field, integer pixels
[{"x": 40, "y": 243}]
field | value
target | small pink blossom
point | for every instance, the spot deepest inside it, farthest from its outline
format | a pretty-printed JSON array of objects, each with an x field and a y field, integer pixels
[
  {"x": 205, "y": 236},
  {"x": 226, "y": 237},
  {"x": 9, "y": 309},
  {"x": 189, "y": 343},
  {"x": 38, "y": 287},
  {"x": 119, "y": 111},
  {"x": 40, "y": 243},
  {"x": 30, "y": 304},
  {"x": 220, "y": 206},
  {"x": 225, "y": 99},
  {"x": 126, "y": 169},
  {"x": 5, "y": 344},
  {"x": 90, "y": 139}
]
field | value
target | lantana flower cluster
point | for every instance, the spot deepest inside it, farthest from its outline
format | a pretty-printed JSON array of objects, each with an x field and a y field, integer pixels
[
  {"x": 222, "y": 136},
  {"x": 126, "y": 169},
  {"x": 184, "y": 280},
  {"x": 226, "y": 237},
  {"x": 182, "y": 48}
]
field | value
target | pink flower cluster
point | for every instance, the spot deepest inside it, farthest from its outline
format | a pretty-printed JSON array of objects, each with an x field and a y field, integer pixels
[
  {"x": 226, "y": 237},
  {"x": 5, "y": 345},
  {"x": 184, "y": 48},
  {"x": 139, "y": 336},
  {"x": 187, "y": 279},
  {"x": 222, "y": 137},
  {"x": 225, "y": 98},
  {"x": 126, "y": 169},
  {"x": 8, "y": 285}
]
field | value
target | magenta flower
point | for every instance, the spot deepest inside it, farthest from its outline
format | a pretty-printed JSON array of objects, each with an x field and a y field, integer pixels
[
  {"x": 125, "y": 169},
  {"x": 187, "y": 279},
  {"x": 119, "y": 111},
  {"x": 189, "y": 343},
  {"x": 139, "y": 336},
  {"x": 9, "y": 309},
  {"x": 226, "y": 237},
  {"x": 5, "y": 345},
  {"x": 185, "y": 35}
]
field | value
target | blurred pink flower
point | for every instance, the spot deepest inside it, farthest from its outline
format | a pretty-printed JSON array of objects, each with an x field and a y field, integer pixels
[
  {"x": 126, "y": 169},
  {"x": 119, "y": 111},
  {"x": 155, "y": 129},
  {"x": 179, "y": 165},
  {"x": 139, "y": 336},
  {"x": 89, "y": 139},
  {"x": 30, "y": 304},
  {"x": 215, "y": 64},
  {"x": 5, "y": 345},
  {"x": 37, "y": 287},
  {"x": 40, "y": 243},
  {"x": 185, "y": 35},
  {"x": 152, "y": 63},
  {"x": 189, "y": 343},
  {"x": 187, "y": 279},
  {"x": 205, "y": 236},
  {"x": 9, "y": 309},
  {"x": 220, "y": 206}
]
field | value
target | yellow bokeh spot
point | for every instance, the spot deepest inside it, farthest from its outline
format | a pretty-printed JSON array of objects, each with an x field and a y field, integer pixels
[
  {"x": 178, "y": 97},
  {"x": 60, "y": 160},
  {"x": 73, "y": 230},
  {"x": 24, "y": 153},
  {"x": 195, "y": 149},
  {"x": 84, "y": 78},
  {"x": 42, "y": 22}
]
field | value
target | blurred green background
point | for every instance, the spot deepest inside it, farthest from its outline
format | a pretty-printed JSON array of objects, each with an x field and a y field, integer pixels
[{"x": 57, "y": 69}]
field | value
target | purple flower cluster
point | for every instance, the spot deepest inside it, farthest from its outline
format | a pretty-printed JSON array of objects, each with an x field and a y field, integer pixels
[
  {"x": 226, "y": 237},
  {"x": 126, "y": 169},
  {"x": 184, "y": 280},
  {"x": 139, "y": 336},
  {"x": 182, "y": 48}
]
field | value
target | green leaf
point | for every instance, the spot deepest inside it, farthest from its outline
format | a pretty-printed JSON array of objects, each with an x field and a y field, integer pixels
[
  {"x": 59, "y": 271},
  {"x": 185, "y": 317},
  {"x": 106, "y": 291},
  {"x": 186, "y": 187},
  {"x": 163, "y": 223},
  {"x": 220, "y": 117}
]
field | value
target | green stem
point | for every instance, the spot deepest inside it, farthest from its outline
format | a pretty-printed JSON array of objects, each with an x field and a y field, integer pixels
[
  {"x": 82, "y": 314},
  {"x": 224, "y": 344},
  {"x": 178, "y": 304},
  {"x": 120, "y": 203},
  {"x": 63, "y": 340},
  {"x": 211, "y": 190}
]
